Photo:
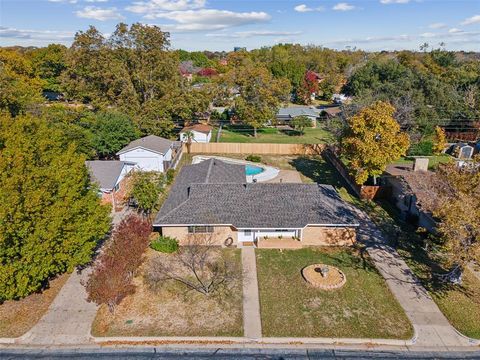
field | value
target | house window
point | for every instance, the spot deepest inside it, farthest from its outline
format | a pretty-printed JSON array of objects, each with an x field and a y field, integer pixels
[
  {"x": 200, "y": 229},
  {"x": 247, "y": 232},
  {"x": 117, "y": 187}
]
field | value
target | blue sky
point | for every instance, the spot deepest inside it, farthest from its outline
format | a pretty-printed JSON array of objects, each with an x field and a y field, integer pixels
[{"x": 221, "y": 25}]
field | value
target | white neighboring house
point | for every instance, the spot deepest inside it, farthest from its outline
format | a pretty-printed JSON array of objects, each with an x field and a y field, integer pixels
[
  {"x": 148, "y": 153},
  {"x": 201, "y": 133}
]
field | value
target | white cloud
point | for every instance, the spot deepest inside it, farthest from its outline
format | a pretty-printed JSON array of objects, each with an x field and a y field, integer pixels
[
  {"x": 209, "y": 19},
  {"x": 343, "y": 7},
  {"x": 304, "y": 8},
  {"x": 96, "y": 13},
  {"x": 64, "y": 1},
  {"x": 156, "y": 6},
  {"x": 437, "y": 26},
  {"x": 471, "y": 20},
  {"x": 46, "y": 35},
  {"x": 254, "y": 33},
  {"x": 394, "y": 1},
  {"x": 454, "y": 31}
]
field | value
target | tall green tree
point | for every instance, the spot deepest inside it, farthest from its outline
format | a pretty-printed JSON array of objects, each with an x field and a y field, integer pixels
[
  {"x": 112, "y": 131},
  {"x": 50, "y": 216},
  {"x": 260, "y": 94},
  {"x": 19, "y": 86},
  {"x": 49, "y": 63},
  {"x": 373, "y": 140}
]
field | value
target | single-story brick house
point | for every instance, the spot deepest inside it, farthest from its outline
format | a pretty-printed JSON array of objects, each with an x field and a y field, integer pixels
[
  {"x": 110, "y": 176},
  {"x": 213, "y": 197},
  {"x": 286, "y": 114},
  {"x": 201, "y": 133},
  {"x": 151, "y": 153}
]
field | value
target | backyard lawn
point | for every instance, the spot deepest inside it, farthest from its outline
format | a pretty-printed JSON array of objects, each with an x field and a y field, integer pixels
[
  {"x": 434, "y": 160},
  {"x": 243, "y": 134},
  {"x": 363, "y": 307},
  {"x": 459, "y": 303},
  {"x": 173, "y": 310},
  {"x": 17, "y": 317}
]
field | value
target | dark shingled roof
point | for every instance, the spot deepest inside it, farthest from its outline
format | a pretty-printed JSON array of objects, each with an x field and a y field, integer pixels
[
  {"x": 105, "y": 172},
  {"x": 151, "y": 142},
  {"x": 212, "y": 171},
  {"x": 253, "y": 205}
]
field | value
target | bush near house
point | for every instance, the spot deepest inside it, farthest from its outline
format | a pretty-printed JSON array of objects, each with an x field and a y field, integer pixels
[
  {"x": 111, "y": 279},
  {"x": 164, "y": 244},
  {"x": 254, "y": 158}
]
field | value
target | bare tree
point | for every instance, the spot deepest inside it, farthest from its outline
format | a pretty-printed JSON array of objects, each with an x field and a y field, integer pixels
[{"x": 199, "y": 265}]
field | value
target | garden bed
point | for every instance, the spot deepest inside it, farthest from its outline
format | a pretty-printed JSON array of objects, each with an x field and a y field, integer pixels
[{"x": 174, "y": 310}]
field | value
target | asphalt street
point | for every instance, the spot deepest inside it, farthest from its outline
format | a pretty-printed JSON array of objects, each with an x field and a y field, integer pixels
[{"x": 220, "y": 354}]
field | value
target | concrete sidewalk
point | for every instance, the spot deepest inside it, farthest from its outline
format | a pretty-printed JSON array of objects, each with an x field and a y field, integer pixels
[
  {"x": 69, "y": 318},
  {"x": 252, "y": 325},
  {"x": 431, "y": 326}
]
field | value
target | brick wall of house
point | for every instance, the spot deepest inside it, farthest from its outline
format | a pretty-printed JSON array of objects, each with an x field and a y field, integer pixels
[
  {"x": 119, "y": 196},
  {"x": 218, "y": 237},
  {"x": 328, "y": 236}
]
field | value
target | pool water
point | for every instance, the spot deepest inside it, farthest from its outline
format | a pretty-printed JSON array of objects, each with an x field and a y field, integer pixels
[{"x": 253, "y": 170}]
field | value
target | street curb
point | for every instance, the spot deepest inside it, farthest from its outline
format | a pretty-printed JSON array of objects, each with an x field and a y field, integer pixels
[{"x": 244, "y": 341}]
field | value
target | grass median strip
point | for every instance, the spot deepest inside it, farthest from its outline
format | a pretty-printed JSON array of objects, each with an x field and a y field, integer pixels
[{"x": 19, "y": 316}]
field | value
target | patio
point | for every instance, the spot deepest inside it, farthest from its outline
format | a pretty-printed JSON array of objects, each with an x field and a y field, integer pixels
[{"x": 278, "y": 243}]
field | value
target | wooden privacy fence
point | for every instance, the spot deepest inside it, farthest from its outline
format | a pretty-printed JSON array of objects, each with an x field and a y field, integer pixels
[{"x": 253, "y": 148}]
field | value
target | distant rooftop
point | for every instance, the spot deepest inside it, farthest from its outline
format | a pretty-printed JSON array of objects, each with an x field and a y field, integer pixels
[
  {"x": 105, "y": 173},
  {"x": 151, "y": 142},
  {"x": 295, "y": 111}
]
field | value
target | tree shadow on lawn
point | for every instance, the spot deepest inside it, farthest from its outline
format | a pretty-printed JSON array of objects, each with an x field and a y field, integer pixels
[
  {"x": 291, "y": 132},
  {"x": 317, "y": 169}
]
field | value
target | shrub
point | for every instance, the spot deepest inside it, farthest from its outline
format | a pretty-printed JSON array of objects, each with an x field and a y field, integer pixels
[
  {"x": 111, "y": 279},
  {"x": 165, "y": 244},
  {"x": 422, "y": 148},
  {"x": 254, "y": 158},
  {"x": 170, "y": 176}
]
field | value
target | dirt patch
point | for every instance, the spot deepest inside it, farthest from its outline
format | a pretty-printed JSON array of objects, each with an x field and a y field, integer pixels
[
  {"x": 19, "y": 316},
  {"x": 174, "y": 310}
]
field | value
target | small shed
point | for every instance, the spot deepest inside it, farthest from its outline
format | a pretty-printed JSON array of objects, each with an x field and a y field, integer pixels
[
  {"x": 201, "y": 133},
  {"x": 463, "y": 151}
]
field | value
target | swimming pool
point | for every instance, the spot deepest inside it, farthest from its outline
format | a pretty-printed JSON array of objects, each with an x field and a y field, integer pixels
[{"x": 251, "y": 170}]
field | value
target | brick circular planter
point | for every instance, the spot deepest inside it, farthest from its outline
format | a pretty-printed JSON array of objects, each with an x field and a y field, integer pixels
[{"x": 322, "y": 276}]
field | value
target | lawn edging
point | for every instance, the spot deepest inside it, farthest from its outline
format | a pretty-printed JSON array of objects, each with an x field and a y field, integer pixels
[{"x": 7, "y": 341}]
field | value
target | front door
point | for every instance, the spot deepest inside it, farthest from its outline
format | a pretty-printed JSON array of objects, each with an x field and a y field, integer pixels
[{"x": 246, "y": 237}]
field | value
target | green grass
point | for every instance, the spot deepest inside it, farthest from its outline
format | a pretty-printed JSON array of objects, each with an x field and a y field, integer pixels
[
  {"x": 433, "y": 163},
  {"x": 363, "y": 308},
  {"x": 459, "y": 303},
  {"x": 244, "y": 134}
]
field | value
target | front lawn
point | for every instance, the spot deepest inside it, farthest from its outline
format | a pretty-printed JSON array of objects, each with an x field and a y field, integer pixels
[
  {"x": 244, "y": 134},
  {"x": 363, "y": 308},
  {"x": 19, "y": 316},
  {"x": 173, "y": 310}
]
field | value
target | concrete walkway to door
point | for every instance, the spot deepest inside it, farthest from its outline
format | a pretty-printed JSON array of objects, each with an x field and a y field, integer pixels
[{"x": 252, "y": 325}]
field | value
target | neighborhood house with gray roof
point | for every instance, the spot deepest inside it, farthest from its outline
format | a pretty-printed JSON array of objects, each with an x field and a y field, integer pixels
[{"x": 213, "y": 197}]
